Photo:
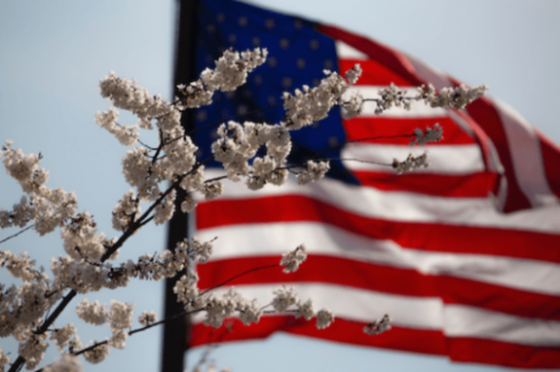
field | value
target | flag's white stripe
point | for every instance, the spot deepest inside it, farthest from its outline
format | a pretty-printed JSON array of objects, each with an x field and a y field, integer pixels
[
  {"x": 429, "y": 73},
  {"x": 444, "y": 159},
  {"x": 418, "y": 109},
  {"x": 465, "y": 321},
  {"x": 278, "y": 238},
  {"x": 414, "y": 312},
  {"x": 345, "y": 51},
  {"x": 404, "y": 206},
  {"x": 526, "y": 156}
]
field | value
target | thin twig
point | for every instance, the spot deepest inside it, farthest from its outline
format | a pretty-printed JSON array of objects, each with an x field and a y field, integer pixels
[
  {"x": 163, "y": 321},
  {"x": 146, "y": 146},
  {"x": 240, "y": 275},
  {"x": 357, "y": 160},
  {"x": 16, "y": 234}
]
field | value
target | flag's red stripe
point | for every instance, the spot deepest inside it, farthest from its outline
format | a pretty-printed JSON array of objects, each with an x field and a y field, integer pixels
[
  {"x": 373, "y": 73},
  {"x": 383, "y": 278},
  {"x": 484, "y": 113},
  {"x": 386, "y": 56},
  {"x": 473, "y": 185},
  {"x": 398, "y": 338},
  {"x": 437, "y": 237},
  {"x": 502, "y": 353},
  {"x": 367, "y": 127},
  {"x": 551, "y": 160}
]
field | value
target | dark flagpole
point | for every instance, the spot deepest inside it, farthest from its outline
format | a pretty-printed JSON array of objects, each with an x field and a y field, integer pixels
[{"x": 176, "y": 333}]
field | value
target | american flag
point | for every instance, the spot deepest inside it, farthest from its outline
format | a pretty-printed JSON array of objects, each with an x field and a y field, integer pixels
[{"x": 463, "y": 255}]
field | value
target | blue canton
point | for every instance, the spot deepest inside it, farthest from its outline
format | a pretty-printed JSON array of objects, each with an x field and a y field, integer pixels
[{"x": 297, "y": 56}]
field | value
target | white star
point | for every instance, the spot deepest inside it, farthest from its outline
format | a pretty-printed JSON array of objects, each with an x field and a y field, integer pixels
[
  {"x": 314, "y": 44},
  {"x": 272, "y": 62}
]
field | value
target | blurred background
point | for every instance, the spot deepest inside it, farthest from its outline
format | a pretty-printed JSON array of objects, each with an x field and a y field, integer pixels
[{"x": 53, "y": 54}]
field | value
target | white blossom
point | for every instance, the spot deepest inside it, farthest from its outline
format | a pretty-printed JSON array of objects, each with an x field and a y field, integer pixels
[
  {"x": 127, "y": 135},
  {"x": 353, "y": 107},
  {"x": 283, "y": 299},
  {"x": 147, "y": 318},
  {"x": 230, "y": 72},
  {"x": 188, "y": 205},
  {"x": 94, "y": 313},
  {"x": 19, "y": 267},
  {"x": 293, "y": 259},
  {"x": 219, "y": 308},
  {"x": 212, "y": 189},
  {"x": 249, "y": 311},
  {"x": 324, "y": 318},
  {"x": 97, "y": 354},
  {"x": 305, "y": 310},
  {"x": 313, "y": 172},
  {"x": 81, "y": 239},
  {"x": 68, "y": 363},
  {"x": 412, "y": 162},
  {"x": 120, "y": 315},
  {"x": 456, "y": 98},
  {"x": 429, "y": 135},
  {"x": 48, "y": 208},
  {"x": 126, "y": 211},
  {"x": 118, "y": 340},
  {"x": 164, "y": 211},
  {"x": 33, "y": 350},
  {"x": 311, "y": 105},
  {"x": 390, "y": 97},
  {"x": 3, "y": 360},
  {"x": 378, "y": 326},
  {"x": 186, "y": 289},
  {"x": 63, "y": 335}
]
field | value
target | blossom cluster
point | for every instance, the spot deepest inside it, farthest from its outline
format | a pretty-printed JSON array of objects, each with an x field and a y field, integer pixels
[
  {"x": 46, "y": 207},
  {"x": 231, "y": 71},
  {"x": 218, "y": 308},
  {"x": 456, "y": 98},
  {"x": 378, "y": 326},
  {"x": 412, "y": 162},
  {"x": 311, "y": 105},
  {"x": 453, "y": 98},
  {"x": 286, "y": 300},
  {"x": 420, "y": 137},
  {"x": 293, "y": 259},
  {"x": 3, "y": 360},
  {"x": 147, "y": 318},
  {"x": 22, "y": 307},
  {"x": 68, "y": 363}
]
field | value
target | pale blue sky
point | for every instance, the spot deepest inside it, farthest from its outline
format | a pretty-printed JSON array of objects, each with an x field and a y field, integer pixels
[{"x": 52, "y": 55}]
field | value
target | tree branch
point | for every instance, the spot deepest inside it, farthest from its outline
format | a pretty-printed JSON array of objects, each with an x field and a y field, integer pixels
[{"x": 16, "y": 234}]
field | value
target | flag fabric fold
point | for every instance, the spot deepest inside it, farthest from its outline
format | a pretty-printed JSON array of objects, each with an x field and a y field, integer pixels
[{"x": 464, "y": 255}]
